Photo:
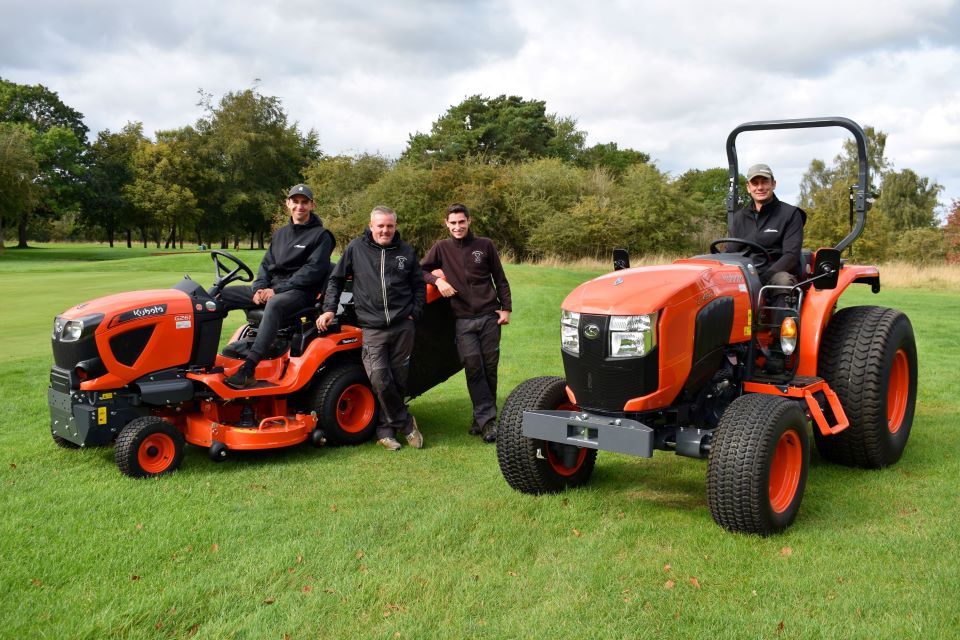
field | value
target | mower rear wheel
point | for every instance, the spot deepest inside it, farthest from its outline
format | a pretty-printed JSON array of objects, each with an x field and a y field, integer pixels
[
  {"x": 149, "y": 446},
  {"x": 538, "y": 466},
  {"x": 758, "y": 465},
  {"x": 868, "y": 356},
  {"x": 63, "y": 443},
  {"x": 346, "y": 407}
]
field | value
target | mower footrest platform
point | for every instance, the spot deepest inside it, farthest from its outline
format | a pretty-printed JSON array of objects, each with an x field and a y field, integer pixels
[{"x": 590, "y": 431}]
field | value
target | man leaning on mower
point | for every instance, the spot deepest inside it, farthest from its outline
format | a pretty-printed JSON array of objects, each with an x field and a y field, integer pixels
[
  {"x": 292, "y": 274},
  {"x": 388, "y": 294},
  {"x": 773, "y": 224}
]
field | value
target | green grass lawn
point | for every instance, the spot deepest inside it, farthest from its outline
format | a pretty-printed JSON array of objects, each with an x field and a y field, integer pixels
[{"x": 356, "y": 542}]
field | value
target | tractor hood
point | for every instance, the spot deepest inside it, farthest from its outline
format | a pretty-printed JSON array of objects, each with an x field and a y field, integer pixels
[{"x": 637, "y": 291}]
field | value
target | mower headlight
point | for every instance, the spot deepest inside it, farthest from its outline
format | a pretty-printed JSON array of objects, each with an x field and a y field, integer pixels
[
  {"x": 72, "y": 331},
  {"x": 570, "y": 331},
  {"x": 632, "y": 336}
]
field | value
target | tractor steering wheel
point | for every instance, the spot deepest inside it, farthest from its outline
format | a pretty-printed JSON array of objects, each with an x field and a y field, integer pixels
[
  {"x": 760, "y": 250},
  {"x": 240, "y": 272}
]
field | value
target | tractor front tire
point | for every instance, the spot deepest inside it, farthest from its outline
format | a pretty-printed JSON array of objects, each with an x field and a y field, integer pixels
[
  {"x": 868, "y": 356},
  {"x": 537, "y": 466},
  {"x": 346, "y": 407},
  {"x": 758, "y": 465},
  {"x": 149, "y": 446}
]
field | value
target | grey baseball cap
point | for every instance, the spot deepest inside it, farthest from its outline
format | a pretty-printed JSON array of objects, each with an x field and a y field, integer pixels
[
  {"x": 756, "y": 170},
  {"x": 300, "y": 189}
]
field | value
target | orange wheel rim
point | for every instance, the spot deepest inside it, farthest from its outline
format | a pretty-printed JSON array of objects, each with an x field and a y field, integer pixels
[
  {"x": 556, "y": 462},
  {"x": 898, "y": 389},
  {"x": 355, "y": 408},
  {"x": 785, "y": 471},
  {"x": 156, "y": 453}
]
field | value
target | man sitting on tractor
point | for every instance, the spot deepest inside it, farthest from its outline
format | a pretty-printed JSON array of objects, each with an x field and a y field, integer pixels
[
  {"x": 773, "y": 224},
  {"x": 292, "y": 274}
]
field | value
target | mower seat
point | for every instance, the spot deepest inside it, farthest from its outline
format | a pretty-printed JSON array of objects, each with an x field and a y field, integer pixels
[{"x": 255, "y": 316}]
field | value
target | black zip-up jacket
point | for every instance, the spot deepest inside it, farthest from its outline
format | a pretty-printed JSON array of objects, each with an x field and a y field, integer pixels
[
  {"x": 472, "y": 267},
  {"x": 778, "y": 227},
  {"x": 388, "y": 283},
  {"x": 298, "y": 258}
]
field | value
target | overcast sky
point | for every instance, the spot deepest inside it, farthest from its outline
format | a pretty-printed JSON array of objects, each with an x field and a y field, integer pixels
[{"x": 671, "y": 79}]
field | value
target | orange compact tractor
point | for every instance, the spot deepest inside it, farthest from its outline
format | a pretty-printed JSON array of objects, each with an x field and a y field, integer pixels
[
  {"x": 142, "y": 369},
  {"x": 698, "y": 358}
]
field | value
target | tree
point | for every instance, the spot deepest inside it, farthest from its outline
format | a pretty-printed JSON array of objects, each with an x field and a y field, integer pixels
[
  {"x": 908, "y": 201},
  {"x": 110, "y": 170},
  {"x": 257, "y": 154},
  {"x": 951, "y": 233},
  {"x": 18, "y": 167},
  {"x": 608, "y": 156},
  {"x": 59, "y": 146},
  {"x": 505, "y": 128}
]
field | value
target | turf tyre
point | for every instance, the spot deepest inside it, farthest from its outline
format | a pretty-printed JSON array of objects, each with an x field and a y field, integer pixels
[
  {"x": 536, "y": 466},
  {"x": 149, "y": 446},
  {"x": 868, "y": 356},
  {"x": 758, "y": 465},
  {"x": 346, "y": 407}
]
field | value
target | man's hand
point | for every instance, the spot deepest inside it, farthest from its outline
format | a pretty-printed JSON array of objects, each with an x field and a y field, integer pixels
[
  {"x": 445, "y": 288},
  {"x": 324, "y": 320},
  {"x": 503, "y": 317},
  {"x": 261, "y": 296}
]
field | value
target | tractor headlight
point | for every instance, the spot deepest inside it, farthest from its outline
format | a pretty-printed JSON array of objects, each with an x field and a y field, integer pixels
[
  {"x": 632, "y": 336},
  {"x": 73, "y": 330},
  {"x": 570, "y": 331}
]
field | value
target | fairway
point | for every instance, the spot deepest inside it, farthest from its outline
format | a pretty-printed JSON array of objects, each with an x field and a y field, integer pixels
[{"x": 356, "y": 542}]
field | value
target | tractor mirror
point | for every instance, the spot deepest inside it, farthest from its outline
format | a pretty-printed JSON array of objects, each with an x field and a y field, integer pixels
[
  {"x": 621, "y": 259},
  {"x": 826, "y": 269}
]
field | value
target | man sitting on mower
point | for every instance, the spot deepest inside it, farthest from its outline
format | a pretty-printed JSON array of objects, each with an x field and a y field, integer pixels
[
  {"x": 774, "y": 225},
  {"x": 292, "y": 274}
]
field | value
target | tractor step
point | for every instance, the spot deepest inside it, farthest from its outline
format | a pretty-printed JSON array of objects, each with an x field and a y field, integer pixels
[{"x": 804, "y": 388}]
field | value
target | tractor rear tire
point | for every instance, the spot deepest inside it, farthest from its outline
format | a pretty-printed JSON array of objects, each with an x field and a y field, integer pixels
[
  {"x": 758, "y": 465},
  {"x": 149, "y": 446},
  {"x": 346, "y": 407},
  {"x": 868, "y": 356},
  {"x": 537, "y": 466}
]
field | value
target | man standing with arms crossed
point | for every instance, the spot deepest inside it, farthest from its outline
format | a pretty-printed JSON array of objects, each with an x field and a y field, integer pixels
[
  {"x": 389, "y": 294},
  {"x": 467, "y": 269}
]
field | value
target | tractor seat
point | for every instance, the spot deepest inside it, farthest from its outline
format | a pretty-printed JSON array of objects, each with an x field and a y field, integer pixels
[{"x": 255, "y": 316}]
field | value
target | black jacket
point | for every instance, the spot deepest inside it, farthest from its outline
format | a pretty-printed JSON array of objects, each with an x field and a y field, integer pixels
[
  {"x": 778, "y": 228},
  {"x": 387, "y": 282},
  {"x": 472, "y": 267},
  {"x": 298, "y": 258}
]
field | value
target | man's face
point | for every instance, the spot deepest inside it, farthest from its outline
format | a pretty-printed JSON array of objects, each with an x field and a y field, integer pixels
[
  {"x": 383, "y": 226},
  {"x": 458, "y": 224},
  {"x": 761, "y": 189},
  {"x": 300, "y": 208}
]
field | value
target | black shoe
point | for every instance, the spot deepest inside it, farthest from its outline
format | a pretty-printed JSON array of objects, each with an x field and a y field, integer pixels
[
  {"x": 475, "y": 429},
  {"x": 244, "y": 377},
  {"x": 490, "y": 431}
]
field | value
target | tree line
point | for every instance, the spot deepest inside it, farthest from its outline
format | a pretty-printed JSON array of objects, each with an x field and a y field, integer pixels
[{"x": 529, "y": 178}]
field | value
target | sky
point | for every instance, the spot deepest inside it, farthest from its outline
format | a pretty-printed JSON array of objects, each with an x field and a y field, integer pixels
[{"x": 670, "y": 79}]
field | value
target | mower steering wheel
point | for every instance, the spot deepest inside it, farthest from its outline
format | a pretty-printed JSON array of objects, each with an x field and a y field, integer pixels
[
  {"x": 761, "y": 251},
  {"x": 240, "y": 272}
]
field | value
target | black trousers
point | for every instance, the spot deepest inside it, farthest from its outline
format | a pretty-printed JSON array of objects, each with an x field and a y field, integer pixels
[
  {"x": 278, "y": 309},
  {"x": 478, "y": 343},
  {"x": 386, "y": 359}
]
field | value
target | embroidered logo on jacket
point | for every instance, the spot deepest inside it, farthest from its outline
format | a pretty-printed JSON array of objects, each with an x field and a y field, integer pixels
[
  {"x": 477, "y": 256},
  {"x": 771, "y": 231},
  {"x": 401, "y": 261},
  {"x": 299, "y": 246}
]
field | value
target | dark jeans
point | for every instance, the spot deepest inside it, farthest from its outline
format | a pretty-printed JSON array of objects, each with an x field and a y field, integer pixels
[
  {"x": 478, "y": 343},
  {"x": 386, "y": 359},
  {"x": 280, "y": 307}
]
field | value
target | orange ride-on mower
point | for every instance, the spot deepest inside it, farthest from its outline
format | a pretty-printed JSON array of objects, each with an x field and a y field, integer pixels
[
  {"x": 696, "y": 357},
  {"x": 142, "y": 369}
]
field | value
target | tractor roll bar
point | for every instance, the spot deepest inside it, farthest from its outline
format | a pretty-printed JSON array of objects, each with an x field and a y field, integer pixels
[{"x": 860, "y": 189}]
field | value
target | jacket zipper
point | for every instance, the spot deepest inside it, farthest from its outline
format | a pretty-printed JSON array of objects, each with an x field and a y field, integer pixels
[{"x": 383, "y": 284}]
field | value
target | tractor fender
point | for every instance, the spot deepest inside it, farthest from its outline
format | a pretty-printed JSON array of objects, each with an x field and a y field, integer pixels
[{"x": 818, "y": 308}]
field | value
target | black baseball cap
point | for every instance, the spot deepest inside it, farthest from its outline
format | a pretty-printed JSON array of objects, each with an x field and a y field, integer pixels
[{"x": 300, "y": 189}]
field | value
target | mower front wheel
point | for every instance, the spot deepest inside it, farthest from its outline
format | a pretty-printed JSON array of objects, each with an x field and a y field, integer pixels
[
  {"x": 537, "y": 466},
  {"x": 345, "y": 405},
  {"x": 758, "y": 465},
  {"x": 149, "y": 446}
]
